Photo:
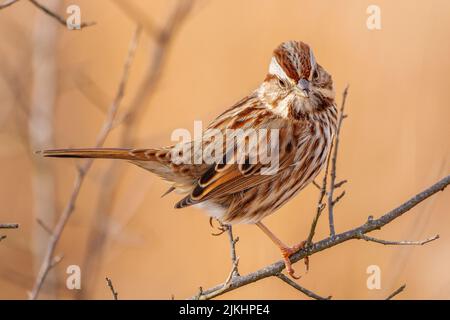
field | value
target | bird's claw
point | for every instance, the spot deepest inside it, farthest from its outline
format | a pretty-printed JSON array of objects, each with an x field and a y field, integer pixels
[{"x": 287, "y": 252}]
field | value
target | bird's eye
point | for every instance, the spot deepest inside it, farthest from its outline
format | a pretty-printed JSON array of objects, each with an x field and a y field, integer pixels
[
  {"x": 282, "y": 83},
  {"x": 315, "y": 75}
]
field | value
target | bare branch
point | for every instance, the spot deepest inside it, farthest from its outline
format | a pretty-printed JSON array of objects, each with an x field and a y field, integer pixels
[
  {"x": 111, "y": 287},
  {"x": 68, "y": 210},
  {"x": 333, "y": 165},
  {"x": 233, "y": 242},
  {"x": 396, "y": 292},
  {"x": 369, "y": 226},
  {"x": 57, "y": 17},
  {"x": 303, "y": 290},
  {"x": 397, "y": 243}
]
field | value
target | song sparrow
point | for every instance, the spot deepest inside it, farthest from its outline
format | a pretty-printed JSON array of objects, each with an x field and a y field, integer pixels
[{"x": 297, "y": 99}]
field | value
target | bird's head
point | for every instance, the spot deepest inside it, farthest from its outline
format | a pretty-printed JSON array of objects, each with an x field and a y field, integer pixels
[{"x": 296, "y": 84}]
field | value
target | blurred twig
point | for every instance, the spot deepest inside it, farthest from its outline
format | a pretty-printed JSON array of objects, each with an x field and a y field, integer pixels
[
  {"x": 82, "y": 171},
  {"x": 111, "y": 287},
  {"x": 396, "y": 292},
  {"x": 47, "y": 11},
  {"x": 138, "y": 15},
  {"x": 9, "y": 226},
  {"x": 44, "y": 90},
  {"x": 7, "y": 3},
  {"x": 57, "y": 17},
  {"x": 111, "y": 178}
]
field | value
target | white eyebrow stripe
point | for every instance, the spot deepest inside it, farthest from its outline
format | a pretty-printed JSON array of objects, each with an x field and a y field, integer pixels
[{"x": 276, "y": 70}]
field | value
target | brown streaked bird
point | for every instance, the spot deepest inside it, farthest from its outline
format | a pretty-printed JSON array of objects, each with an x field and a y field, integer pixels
[{"x": 297, "y": 99}]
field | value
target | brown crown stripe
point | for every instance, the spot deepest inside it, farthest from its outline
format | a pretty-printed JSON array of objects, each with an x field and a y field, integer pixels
[{"x": 294, "y": 58}]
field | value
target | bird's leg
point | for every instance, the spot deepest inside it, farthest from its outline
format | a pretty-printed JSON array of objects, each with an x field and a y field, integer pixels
[{"x": 286, "y": 251}]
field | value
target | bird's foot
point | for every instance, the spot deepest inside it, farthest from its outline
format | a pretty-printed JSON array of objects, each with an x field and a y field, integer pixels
[{"x": 287, "y": 252}]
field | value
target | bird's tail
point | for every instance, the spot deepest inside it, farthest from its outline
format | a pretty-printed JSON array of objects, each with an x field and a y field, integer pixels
[
  {"x": 98, "y": 153},
  {"x": 160, "y": 155},
  {"x": 157, "y": 161}
]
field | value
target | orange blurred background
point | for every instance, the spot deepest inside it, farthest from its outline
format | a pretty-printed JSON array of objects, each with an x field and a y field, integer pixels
[{"x": 394, "y": 144}]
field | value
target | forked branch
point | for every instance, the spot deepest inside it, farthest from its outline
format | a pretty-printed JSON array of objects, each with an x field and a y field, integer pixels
[
  {"x": 369, "y": 226},
  {"x": 61, "y": 20}
]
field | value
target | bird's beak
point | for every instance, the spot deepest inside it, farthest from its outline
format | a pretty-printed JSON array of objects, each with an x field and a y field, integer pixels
[{"x": 303, "y": 86}]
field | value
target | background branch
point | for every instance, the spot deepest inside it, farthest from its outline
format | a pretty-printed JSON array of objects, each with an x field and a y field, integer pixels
[
  {"x": 82, "y": 171},
  {"x": 7, "y": 3},
  {"x": 110, "y": 181},
  {"x": 58, "y": 18},
  {"x": 396, "y": 292},
  {"x": 9, "y": 225},
  {"x": 111, "y": 287},
  {"x": 41, "y": 119}
]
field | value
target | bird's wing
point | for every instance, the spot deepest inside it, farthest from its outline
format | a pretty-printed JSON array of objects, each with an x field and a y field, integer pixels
[{"x": 232, "y": 175}]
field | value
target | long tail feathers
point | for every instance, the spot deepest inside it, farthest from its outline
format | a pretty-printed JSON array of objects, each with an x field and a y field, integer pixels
[
  {"x": 100, "y": 153},
  {"x": 153, "y": 160}
]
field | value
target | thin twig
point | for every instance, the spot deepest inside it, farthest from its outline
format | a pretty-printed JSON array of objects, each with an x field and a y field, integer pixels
[
  {"x": 44, "y": 226},
  {"x": 331, "y": 200},
  {"x": 315, "y": 184},
  {"x": 397, "y": 243},
  {"x": 138, "y": 15},
  {"x": 233, "y": 242},
  {"x": 103, "y": 134},
  {"x": 57, "y": 17},
  {"x": 369, "y": 226},
  {"x": 396, "y": 292},
  {"x": 338, "y": 198},
  {"x": 111, "y": 287},
  {"x": 7, "y": 3},
  {"x": 303, "y": 290},
  {"x": 320, "y": 204},
  {"x": 9, "y": 226},
  {"x": 340, "y": 184}
]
